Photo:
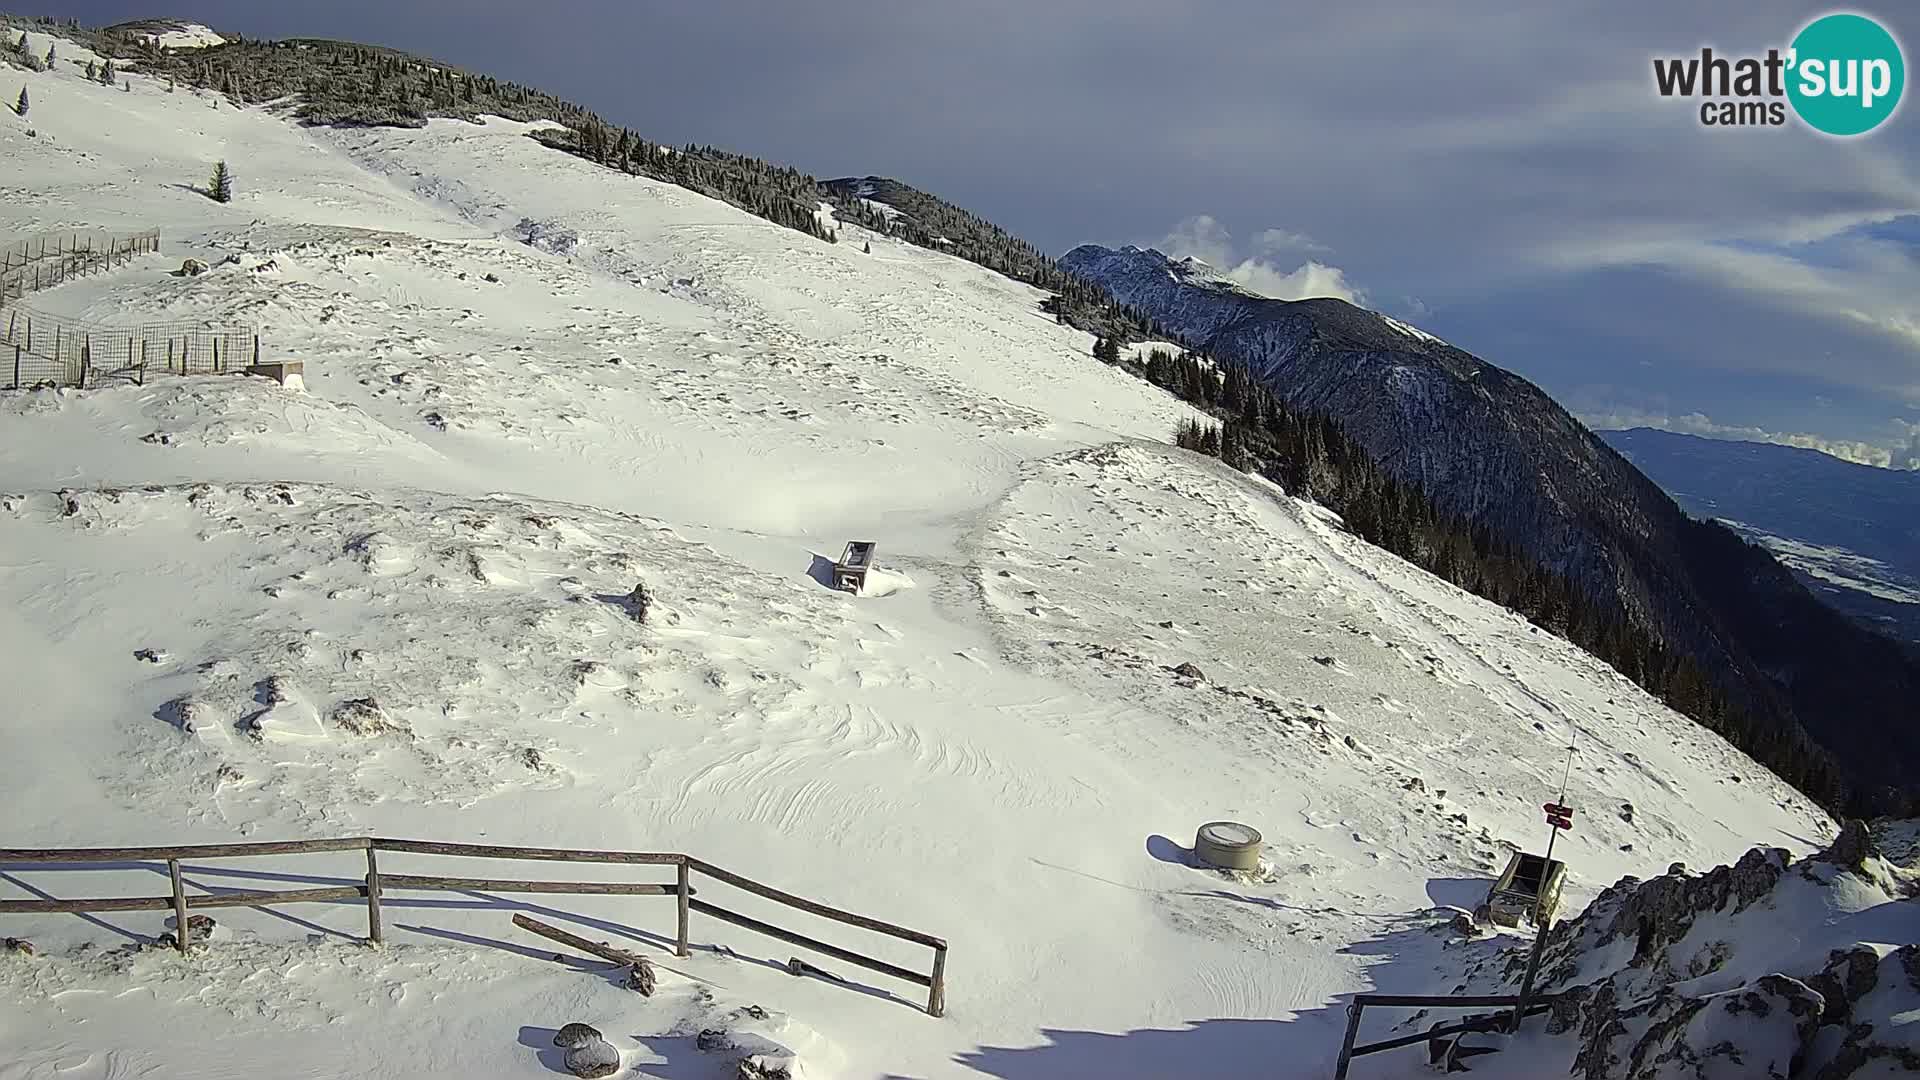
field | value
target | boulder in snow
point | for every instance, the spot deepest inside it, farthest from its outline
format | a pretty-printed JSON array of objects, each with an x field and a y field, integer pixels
[
  {"x": 576, "y": 1034},
  {"x": 365, "y": 717},
  {"x": 593, "y": 1058}
]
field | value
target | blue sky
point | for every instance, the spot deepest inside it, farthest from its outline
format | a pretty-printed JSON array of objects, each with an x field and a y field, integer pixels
[{"x": 1501, "y": 174}]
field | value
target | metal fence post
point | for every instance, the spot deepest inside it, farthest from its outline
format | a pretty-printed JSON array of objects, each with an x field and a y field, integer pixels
[{"x": 1346, "y": 1045}]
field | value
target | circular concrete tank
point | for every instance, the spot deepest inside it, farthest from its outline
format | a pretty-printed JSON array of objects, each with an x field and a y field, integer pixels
[{"x": 1228, "y": 845}]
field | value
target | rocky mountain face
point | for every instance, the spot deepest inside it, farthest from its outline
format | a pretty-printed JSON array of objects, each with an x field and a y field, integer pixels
[
  {"x": 1493, "y": 448},
  {"x": 1767, "y": 968},
  {"x": 1851, "y": 532}
]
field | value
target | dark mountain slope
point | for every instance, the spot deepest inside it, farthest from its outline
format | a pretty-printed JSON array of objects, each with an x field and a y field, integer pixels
[{"x": 1491, "y": 447}]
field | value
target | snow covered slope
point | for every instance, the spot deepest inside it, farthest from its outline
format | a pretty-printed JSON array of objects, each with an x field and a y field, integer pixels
[{"x": 395, "y": 604}]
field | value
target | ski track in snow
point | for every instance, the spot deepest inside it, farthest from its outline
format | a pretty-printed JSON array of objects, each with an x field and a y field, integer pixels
[{"x": 445, "y": 527}]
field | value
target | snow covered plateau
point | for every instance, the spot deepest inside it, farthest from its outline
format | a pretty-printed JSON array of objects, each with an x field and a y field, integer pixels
[{"x": 395, "y": 604}]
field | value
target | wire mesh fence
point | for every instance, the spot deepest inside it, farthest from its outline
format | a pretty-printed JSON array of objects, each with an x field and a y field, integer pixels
[
  {"x": 47, "y": 349},
  {"x": 54, "y": 350},
  {"x": 42, "y": 262}
]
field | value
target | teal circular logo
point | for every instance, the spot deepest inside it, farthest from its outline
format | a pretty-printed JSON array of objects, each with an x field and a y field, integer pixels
[{"x": 1847, "y": 74}]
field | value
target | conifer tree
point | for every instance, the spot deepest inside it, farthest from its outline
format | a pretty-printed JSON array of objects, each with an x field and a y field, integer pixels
[
  {"x": 220, "y": 187},
  {"x": 21, "y": 106},
  {"x": 93, "y": 70},
  {"x": 106, "y": 73}
]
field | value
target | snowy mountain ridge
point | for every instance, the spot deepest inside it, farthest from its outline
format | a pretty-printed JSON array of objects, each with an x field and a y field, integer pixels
[{"x": 397, "y": 604}]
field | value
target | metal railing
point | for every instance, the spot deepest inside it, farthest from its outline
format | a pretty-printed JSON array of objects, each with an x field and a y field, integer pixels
[
  {"x": 377, "y": 883},
  {"x": 1488, "y": 1024}
]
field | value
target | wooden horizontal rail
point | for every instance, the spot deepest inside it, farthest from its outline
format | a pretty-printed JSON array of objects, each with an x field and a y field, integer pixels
[
  {"x": 161, "y": 903},
  {"x": 821, "y": 910},
  {"x": 498, "y": 851},
  {"x": 592, "y": 948},
  {"x": 805, "y": 942},
  {"x": 190, "y": 851},
  {"x": 590, "y": 888}
]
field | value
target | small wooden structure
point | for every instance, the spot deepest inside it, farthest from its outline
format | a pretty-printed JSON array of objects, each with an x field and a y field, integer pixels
[
  {"x": 850, "y": 573},
  {"x": 1528, "y": 889}
]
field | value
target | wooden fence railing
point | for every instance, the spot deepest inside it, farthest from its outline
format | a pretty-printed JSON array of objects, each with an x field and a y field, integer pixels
[{"x": 377, "y": 883}]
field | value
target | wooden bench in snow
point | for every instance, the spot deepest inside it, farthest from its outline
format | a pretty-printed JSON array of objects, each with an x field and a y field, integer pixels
[{"x": 850, "y": 573}]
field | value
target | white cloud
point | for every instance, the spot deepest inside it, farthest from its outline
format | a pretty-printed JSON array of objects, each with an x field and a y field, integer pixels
[
  {"x": 1273, "y": 241},
  {"x": 1204, "y": 238},
  {"x": 1314, "y": 279},
  {"x": 1900, "y": 452}
]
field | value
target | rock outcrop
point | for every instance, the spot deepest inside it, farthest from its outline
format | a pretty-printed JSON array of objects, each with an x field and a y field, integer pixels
[{"x": 1722, "y": 974}]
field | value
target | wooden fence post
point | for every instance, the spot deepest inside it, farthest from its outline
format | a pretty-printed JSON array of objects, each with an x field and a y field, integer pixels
[
  {"x": 937, "y": 993},
  {"x": 16, "y": 367},
  {"x": 686, "y": 890},
  {"x": 373, "y": 897},
  {"x": 170, "y": 359},
  {"x": 216, "y": 356},
  {"x": 86, "y": 359},
  {"x": 179, "y": 906}
]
